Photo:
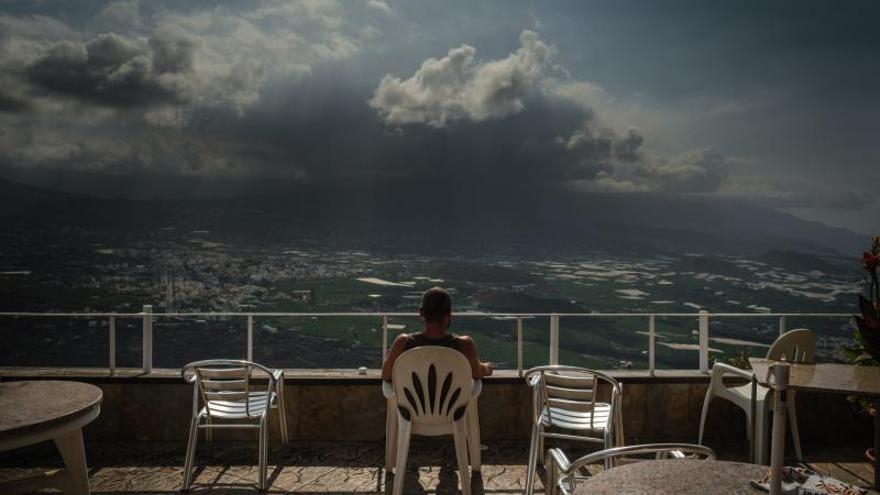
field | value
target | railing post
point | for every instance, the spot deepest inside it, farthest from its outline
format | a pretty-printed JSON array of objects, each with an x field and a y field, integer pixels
[
  {"x": 112, "y": 344},
  {"x": 781, "y": 325},
  {"x": 250, "y": 337},
  {"x": 554, "y": 339},
  {"x": 147, "y": 365},
  {"x": 384, "y": 337},
  {"x": 519, "y": 346},
  {"x": 651, "y": 338},
  {"x": 704, "y": 341}
]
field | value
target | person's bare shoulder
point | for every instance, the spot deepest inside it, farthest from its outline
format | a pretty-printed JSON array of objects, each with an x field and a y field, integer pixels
[
  {"x": 396, "y": 350},
  {"x": 399, "y": 344},
  {"x": 467, "y": 345}
]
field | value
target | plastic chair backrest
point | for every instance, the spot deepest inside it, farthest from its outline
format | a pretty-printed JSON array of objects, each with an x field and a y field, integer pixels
[
  {"x": 795, "y": 346},
  {"x": 432, "y": 384}
]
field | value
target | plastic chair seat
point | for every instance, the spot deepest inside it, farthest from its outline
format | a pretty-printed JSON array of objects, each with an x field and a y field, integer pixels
[{"x": 744, "y": 393}]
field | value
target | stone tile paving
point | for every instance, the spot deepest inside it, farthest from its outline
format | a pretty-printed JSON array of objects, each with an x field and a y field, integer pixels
[{"x": 339, "y": 468}]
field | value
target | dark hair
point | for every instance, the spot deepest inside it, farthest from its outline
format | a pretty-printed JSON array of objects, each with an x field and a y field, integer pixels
[{"x": 436, "y": 303}]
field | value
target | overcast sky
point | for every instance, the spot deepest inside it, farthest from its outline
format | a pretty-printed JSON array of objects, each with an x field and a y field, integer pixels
[{"x": 776, "y": 102}]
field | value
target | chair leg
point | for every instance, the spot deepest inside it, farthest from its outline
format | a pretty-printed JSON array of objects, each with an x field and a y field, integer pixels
[
  {"x": 266, "y": 455},
  {"x": 619, "y": 437},
  {"x": 550, "y": 471},
  {"x": 706, "y": 402},
  {"x": 473, "y": 437},
  {"x": 403, "y": 432},
  {"x": 762, "y": 430},
  {"x": 533, "y": 461},
  {"x": 190, "y": 453},
  {"x": 209, "y": 435},
  {"x": 390, "y": 438},
  {"x": 540, "y": 459},
  {"x": 795, "y": 434},
  {"x": 263, "y": 453},
  {"x": 459, "y": 432},
  {"x": 282, "y": 414}
]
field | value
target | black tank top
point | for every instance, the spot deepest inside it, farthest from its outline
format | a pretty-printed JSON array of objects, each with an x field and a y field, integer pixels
[{"x": 419, "y": 340}]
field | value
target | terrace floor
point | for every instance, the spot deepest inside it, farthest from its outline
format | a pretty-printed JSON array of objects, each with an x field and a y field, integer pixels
[{"x": 339, "y": 468}]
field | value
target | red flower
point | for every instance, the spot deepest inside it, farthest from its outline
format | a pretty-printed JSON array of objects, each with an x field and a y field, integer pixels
[{"x": 870, "y": 261}]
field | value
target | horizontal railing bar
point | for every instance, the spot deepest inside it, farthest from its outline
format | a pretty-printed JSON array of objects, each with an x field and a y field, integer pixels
[{"x": 458, "y": 315}]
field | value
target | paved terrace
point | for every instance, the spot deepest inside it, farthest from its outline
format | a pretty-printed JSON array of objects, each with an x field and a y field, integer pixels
[
  {"x": 337, "y": 420},
  {"x": 333, "y": 467}
]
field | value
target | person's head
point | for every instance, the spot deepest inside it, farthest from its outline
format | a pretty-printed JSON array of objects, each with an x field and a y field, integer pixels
[{"x": 436, "y": 307}]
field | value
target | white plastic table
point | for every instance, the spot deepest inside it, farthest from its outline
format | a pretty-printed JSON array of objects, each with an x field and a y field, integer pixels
[
  {"x": 824, "y": 377},
  {"x": 35, "y": 411}
]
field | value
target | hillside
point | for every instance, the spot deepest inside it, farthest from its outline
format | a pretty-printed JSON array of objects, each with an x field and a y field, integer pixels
[{"x": 398, "y": 215}]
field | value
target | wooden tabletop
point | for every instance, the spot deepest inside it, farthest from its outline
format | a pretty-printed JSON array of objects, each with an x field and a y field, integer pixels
[
  {"x": 675, "y": 476},
  {"x": 28, "y": 405},
  {"x": 825, "y": 377}
]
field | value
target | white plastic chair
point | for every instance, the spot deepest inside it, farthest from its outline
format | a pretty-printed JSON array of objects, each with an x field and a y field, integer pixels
[
  {"x": 223, "y": 386},
  {"x": 564, "y": 398},
  {"x": 562, "y": 475},
  {"x": 794, "y": 346},
  {"x": 432, "y": 393}
]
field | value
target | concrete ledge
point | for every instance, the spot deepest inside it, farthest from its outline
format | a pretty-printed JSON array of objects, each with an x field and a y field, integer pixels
[
  {"x": 326, "y": 376},
  {"x": 341, "y": 405}
]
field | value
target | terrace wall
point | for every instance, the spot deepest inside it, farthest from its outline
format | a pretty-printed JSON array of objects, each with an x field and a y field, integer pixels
[{"x": 339, "y": 405}]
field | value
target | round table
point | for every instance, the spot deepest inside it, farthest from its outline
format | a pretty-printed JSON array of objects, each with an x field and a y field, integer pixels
[
  {"x": 675, "y": 476},
  {"x": 34, "y": 411}
]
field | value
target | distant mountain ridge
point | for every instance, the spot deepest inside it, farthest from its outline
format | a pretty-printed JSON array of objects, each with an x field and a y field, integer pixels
[{"x": 411, "y": 215}]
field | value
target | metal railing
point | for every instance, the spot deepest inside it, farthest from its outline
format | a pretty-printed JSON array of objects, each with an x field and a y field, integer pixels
[{"x": 703, "y": 317}]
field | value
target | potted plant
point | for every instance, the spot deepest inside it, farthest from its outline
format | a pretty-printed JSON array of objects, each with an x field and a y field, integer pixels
[{"x": 866, "y": 349}]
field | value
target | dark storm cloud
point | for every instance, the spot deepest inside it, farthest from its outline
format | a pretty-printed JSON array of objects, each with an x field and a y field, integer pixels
[
  {"x": 512, "y": 119},
  {"x": 117, "y": 89},
  {"x": 12, "y": 104},
  {"x": 118, "y": 71},
  {"x": 326, "y": 130},
  {"x": 526, "y": 91},
  {"x": 678, "y": 97},
  {"x": 627, "y": 147}
]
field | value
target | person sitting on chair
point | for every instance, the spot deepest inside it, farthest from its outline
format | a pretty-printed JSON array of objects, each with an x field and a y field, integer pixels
[{"x": 436, "y": 310}]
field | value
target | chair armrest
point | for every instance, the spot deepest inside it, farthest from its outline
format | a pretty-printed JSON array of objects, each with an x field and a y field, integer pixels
[
  {"x": 477, "y": 389},
  {"x": 276, "y": 382},
  {"x": 721, "y": 369},
  {"x": 558, "y": 457},
  {"x": 388, "y": 390}
]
